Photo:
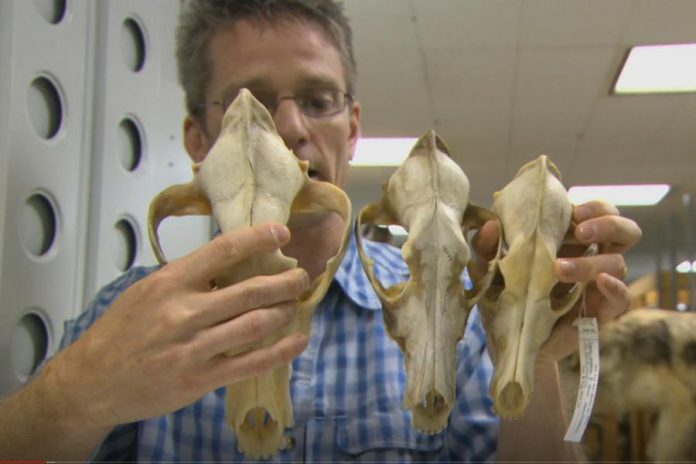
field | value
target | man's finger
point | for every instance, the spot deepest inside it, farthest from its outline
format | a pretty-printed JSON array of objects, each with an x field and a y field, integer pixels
[
  {"x": 202, "y": 265},
  {"x": 616, "y": 234},
  {"x": 617, "y": 295},
  {"x": 247, "y": 328},
  {"x": 588, "y": 268},
  {"x": 485, "y": 242},
  {"x": 484, "y": 245},
  {"x": 594, "y": 209},
  {"x": 258, "y": 361},
  {"x": 256, "y": 292}
]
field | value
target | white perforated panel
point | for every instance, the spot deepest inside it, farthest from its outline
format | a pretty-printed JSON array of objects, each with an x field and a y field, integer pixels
[
  {"x": 45, "y": 159},
  {"x": 90, "y": 130},
  {"x": 139, "y": 149}
]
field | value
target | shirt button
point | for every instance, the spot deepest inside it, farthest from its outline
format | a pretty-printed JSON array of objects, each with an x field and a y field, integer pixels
[{"x": 290, "y": 443}]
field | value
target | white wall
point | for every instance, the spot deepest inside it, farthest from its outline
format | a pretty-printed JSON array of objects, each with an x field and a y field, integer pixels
[{"x": 73, "y": 202}]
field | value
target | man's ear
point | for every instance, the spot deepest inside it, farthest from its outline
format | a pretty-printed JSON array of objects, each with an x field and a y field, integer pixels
[
  {"x": 355, "y": 130},
  {"x": 195, "y": 139}
]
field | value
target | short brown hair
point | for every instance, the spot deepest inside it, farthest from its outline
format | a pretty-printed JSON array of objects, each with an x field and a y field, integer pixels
[{"x": 199, "y": 19}]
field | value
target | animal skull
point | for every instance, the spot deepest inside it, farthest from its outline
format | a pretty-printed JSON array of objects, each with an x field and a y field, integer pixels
[
  {"x": 521, "y": 307},
  {"x": 429, "y": 196},
  {"x": 250, "y": 177}
]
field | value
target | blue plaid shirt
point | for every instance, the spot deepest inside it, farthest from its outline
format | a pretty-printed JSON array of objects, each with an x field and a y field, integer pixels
[{"x": 347, "y": 388}]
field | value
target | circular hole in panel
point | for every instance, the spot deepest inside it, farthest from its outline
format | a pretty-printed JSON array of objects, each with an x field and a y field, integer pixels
[
  {"x": 38, "y": 226},
  {"x": 29, "y": 344},
  {"x": 45, "y": 107},
  {"x": 124, "y": 249},
  {"x": 133, "y": 47},
  {"x": 129, "y": 144},
  {"x": 53, "y": 11}
]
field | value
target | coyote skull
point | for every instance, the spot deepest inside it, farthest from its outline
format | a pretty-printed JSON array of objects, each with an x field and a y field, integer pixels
[
  {"x": 520, "y": 309},
  {"x": 429, "y": 196},
  {"x": 250, "y": 177}
]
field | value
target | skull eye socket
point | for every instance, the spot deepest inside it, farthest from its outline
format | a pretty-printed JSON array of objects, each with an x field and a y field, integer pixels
[
  {"x": 497, "y": 286},
  {"x": 560, "y": 295}
]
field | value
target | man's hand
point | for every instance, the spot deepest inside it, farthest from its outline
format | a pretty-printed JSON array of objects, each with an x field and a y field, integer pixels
[
  {"x": 161, "y": 345},
  {"x": 606, "y": 296}
]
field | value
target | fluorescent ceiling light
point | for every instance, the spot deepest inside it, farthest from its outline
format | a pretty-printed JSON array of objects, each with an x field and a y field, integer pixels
[
  {"x": 397, "y": 231},
  {"x": 686, "y": 266},
  {"x": 619, "y": 195},
  {"x": 658, "y": 69},
  {"x": 382, "y": 151}
]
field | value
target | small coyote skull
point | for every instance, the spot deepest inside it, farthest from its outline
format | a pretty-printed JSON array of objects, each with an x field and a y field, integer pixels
[
  {"x": 249, "y": 177},
  {"x": 429, "y": 196},
  {"x": 520, "y": 309}
]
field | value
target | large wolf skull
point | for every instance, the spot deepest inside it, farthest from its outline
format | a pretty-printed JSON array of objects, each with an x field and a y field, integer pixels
[
  {"x": 429, "y": 196},
  {"x": 250, "y": 177},
  {"x": 520, "y": 309}
]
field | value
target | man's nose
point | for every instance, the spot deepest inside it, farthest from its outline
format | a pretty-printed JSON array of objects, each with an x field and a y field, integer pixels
[{"x": 290, "y": 123}]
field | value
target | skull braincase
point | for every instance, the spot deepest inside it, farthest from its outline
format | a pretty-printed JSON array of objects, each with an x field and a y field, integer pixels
[
  {"x": 249, "y": 177},
  {"x": 428, "y": 195},
  {"x": 520, "y": 310}
]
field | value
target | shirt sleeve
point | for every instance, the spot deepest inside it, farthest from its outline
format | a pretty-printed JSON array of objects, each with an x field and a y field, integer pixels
[{"x": 473, "y": 431}]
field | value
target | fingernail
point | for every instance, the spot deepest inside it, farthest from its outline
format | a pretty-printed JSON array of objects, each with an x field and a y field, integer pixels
[
  {"x": 280, "y": 233},
  {"x": 585, "y": 232},
  {"x": 567, "y": 267},
  {"x": 582, "y": 213}
]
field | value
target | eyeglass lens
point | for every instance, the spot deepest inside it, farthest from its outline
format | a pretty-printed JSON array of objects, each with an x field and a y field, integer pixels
[{"x": 315, "y": 102}]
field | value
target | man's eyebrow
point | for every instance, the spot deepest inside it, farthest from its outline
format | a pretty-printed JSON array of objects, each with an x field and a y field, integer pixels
[
  {"x": 321, "y": 82},
  {"x": 256, "y": 83}
]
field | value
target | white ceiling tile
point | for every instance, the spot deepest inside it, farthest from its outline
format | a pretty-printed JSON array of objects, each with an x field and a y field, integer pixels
[
  {"x": 471, "y": 75},
  {"x": 372, "y": 14},
  {"x": 478, "y": 131},
  {"x": 558, "y": 74},
  {"x": 392, "y": 87},
  {"x": 604, "y": 167},
  {"x": 388, "y": 114},
  {"x": 374, "y": 48},
  {"x": 548, "y": 124},
  {"x": 572, "y": 23},
  {"x": 662, "y": 22},
  {"x": 466, "y": 24},
  {"x": 679, "y": 175},
  {"x": 626, "y": 122}
]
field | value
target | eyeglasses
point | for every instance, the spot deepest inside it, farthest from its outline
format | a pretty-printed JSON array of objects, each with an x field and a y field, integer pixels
[{"x": 314, "y": 102}]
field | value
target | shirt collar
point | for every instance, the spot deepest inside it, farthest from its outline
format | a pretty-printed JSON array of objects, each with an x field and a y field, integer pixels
[{"x": 390, "y": 269}]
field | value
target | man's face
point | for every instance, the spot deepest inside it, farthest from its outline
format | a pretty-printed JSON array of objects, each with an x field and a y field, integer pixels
[{"x": 284, "y": 58}]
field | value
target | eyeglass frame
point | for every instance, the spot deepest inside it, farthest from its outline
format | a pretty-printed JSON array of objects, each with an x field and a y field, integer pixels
[{"x": 347, "y": 98}]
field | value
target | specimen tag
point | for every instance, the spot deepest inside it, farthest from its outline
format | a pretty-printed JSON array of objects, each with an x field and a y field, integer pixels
[{"x": 588, "y": 339}]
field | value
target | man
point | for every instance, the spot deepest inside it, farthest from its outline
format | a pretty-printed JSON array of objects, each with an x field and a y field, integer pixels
[{"x": 143, "y": 367}]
